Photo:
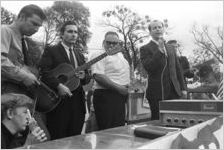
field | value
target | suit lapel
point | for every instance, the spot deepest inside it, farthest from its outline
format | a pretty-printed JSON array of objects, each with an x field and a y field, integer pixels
[
  {"x": 63, "y": 52},
  {"x": 79, "y": 57},
  {"x": 76, "y": 56},
  {"x": 154, "y": 46}
]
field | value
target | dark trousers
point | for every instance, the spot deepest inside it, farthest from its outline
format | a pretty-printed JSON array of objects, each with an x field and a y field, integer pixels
[
  {"x": 154, "y": 99},
  {"x": 68, "y": 117},
  {"x": 109, "y": 108}
]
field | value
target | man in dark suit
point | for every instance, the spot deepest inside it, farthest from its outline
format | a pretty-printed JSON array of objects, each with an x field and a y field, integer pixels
[
  {"x": 68, "y": 117},
  {"x": 165, "y": 77}
]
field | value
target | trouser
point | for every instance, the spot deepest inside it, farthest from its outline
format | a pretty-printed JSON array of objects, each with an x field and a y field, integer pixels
[
  {"x": 154, "y": 98},
  {"x": 109, "y": 108},
  {"x": 68, "y": 117}
]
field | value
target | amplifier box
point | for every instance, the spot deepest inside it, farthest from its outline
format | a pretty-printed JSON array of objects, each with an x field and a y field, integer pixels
[{"x": 186, "y": 113}]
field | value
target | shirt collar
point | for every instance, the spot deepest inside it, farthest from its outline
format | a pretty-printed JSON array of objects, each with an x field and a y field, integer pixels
[
  {"x": 155, "y": 41},
  {"x": 65, "y": 46},
  {"x": 6, "y": 130},
  {"x": 15, "y": 28}
]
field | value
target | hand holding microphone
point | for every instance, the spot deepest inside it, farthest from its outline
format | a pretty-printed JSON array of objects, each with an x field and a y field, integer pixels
[
  {"x": 162, "y": 46},
  {"x": 36, "y": 131}
]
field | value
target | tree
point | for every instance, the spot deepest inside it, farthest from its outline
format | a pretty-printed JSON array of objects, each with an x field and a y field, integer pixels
[
  {"x": 134, "y": 30},
  {"x": 35, "y": 50},
  {"x": 6, "y": 16},
  {"x": 50, "y": 26},
  {"x": 131, "y": 26},
  {"x": 209, "y": 45},
  {"x": 62, "y": 11}
]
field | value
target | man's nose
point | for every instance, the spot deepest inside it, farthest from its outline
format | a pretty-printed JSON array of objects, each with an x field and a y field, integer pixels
[{"x": 27, "y": 120}]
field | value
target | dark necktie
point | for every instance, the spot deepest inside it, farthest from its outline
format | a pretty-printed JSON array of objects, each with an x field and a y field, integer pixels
[
  {"x": 25, "y": 51},
  {"x": 71, "y": 57}
]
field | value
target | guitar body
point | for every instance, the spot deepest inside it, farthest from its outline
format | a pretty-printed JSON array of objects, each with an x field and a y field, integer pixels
[
  {"x": 65, "y": 73},
  {"x": 46, "y": 101}
]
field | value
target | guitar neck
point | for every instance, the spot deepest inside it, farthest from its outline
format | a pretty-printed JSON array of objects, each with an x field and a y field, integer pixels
[{"x": 91, "y": 62}]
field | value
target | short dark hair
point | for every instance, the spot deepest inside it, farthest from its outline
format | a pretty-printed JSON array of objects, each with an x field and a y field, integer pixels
[
  {"x": 62, "y": 29},
  {"x": 149, "y": 27},
  {"x": 111, "y": 32},
  {"x": 12, "y": 100},
  {"x": 32, "y": 9},
  {"x": 172, "y": 42}
]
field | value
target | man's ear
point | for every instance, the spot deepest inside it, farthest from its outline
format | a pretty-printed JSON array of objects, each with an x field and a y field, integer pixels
[
  {"x": 103, "y": 44},
  {"x": 9, "y": 113},
  {"x": 22, "y": 16}
]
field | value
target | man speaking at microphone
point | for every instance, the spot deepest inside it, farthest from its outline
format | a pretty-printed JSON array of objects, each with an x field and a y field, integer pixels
[{"x": 165, "y": 77}]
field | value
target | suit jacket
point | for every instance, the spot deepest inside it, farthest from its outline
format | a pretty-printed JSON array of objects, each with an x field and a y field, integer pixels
[
  {"x": 54, "y": 56},
  {"x": 155, "y": 62}
]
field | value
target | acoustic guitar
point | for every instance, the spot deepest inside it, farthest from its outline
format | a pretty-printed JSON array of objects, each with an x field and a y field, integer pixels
[
  {"x": 45, "y": 96},
  {"x": 65, "y": 73}
]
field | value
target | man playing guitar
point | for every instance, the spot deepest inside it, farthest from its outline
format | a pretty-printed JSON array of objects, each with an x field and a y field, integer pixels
[
  {"x": 67, "y": 118},
  {"x": 14, "y": 60}
]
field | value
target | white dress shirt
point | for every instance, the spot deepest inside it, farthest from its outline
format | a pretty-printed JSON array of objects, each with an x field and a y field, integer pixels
[
  {"x": 68, "y": 53},
  {"x": 115, "y": 67}
]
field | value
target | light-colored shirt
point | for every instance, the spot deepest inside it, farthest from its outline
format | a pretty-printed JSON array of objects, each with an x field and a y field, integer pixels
[
  {"x": 12, "y": 59},
  {"x": 115, "y": 67},
  {"x": 68, "y": 53}
]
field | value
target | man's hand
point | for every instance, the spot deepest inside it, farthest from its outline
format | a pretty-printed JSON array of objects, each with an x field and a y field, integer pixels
[
  {"x": 30, "y": 80},
  {"x": 123, "y": 90},
  {"x": 184, "y": 94},
  {"x": 162, "y": 46},
  {"x": 39, "y": 134},
  {"x": 64, "y": 90},
  {"x": 36, "y": 132},
  {"x": 80, "y": 74}
]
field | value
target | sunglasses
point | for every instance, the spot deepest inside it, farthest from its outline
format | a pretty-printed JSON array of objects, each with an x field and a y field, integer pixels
[{"x": 111, "y": 43}]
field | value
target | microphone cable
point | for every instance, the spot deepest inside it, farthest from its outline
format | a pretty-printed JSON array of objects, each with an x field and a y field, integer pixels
[{"x": 162, "y": 87}]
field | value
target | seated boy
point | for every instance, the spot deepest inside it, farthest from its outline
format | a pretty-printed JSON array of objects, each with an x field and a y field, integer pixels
[{"x": 15, "y": 118}]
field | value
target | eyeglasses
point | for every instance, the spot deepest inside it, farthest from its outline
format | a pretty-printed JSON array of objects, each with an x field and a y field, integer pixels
[{"x": 111, "y": 42}]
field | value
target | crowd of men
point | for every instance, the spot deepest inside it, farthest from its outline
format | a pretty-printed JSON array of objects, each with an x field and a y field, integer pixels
[{"x": 23, "y": 124}]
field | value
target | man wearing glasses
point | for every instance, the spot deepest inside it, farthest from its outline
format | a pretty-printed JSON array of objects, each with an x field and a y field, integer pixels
[{"x": 111, "y": 76}]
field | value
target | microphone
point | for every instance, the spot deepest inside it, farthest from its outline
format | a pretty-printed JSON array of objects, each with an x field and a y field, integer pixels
[
  {"x": 162, "y": 48},
  {"x": 32, "y": 122},
  {"x": 40, "y": 135}
]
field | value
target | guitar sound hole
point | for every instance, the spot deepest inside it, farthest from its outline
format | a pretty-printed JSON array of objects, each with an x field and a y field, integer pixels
[{"x": 62, "y": 78}]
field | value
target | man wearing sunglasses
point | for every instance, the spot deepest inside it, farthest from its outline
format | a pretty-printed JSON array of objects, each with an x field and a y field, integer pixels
[{"x": 111, "y": 76}]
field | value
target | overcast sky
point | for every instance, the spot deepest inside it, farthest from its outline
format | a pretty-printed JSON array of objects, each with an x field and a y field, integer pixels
[{"x": 181, "y": 16}]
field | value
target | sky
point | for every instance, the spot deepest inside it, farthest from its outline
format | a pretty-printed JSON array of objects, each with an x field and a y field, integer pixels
[{"x": 181, "y": 16}]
